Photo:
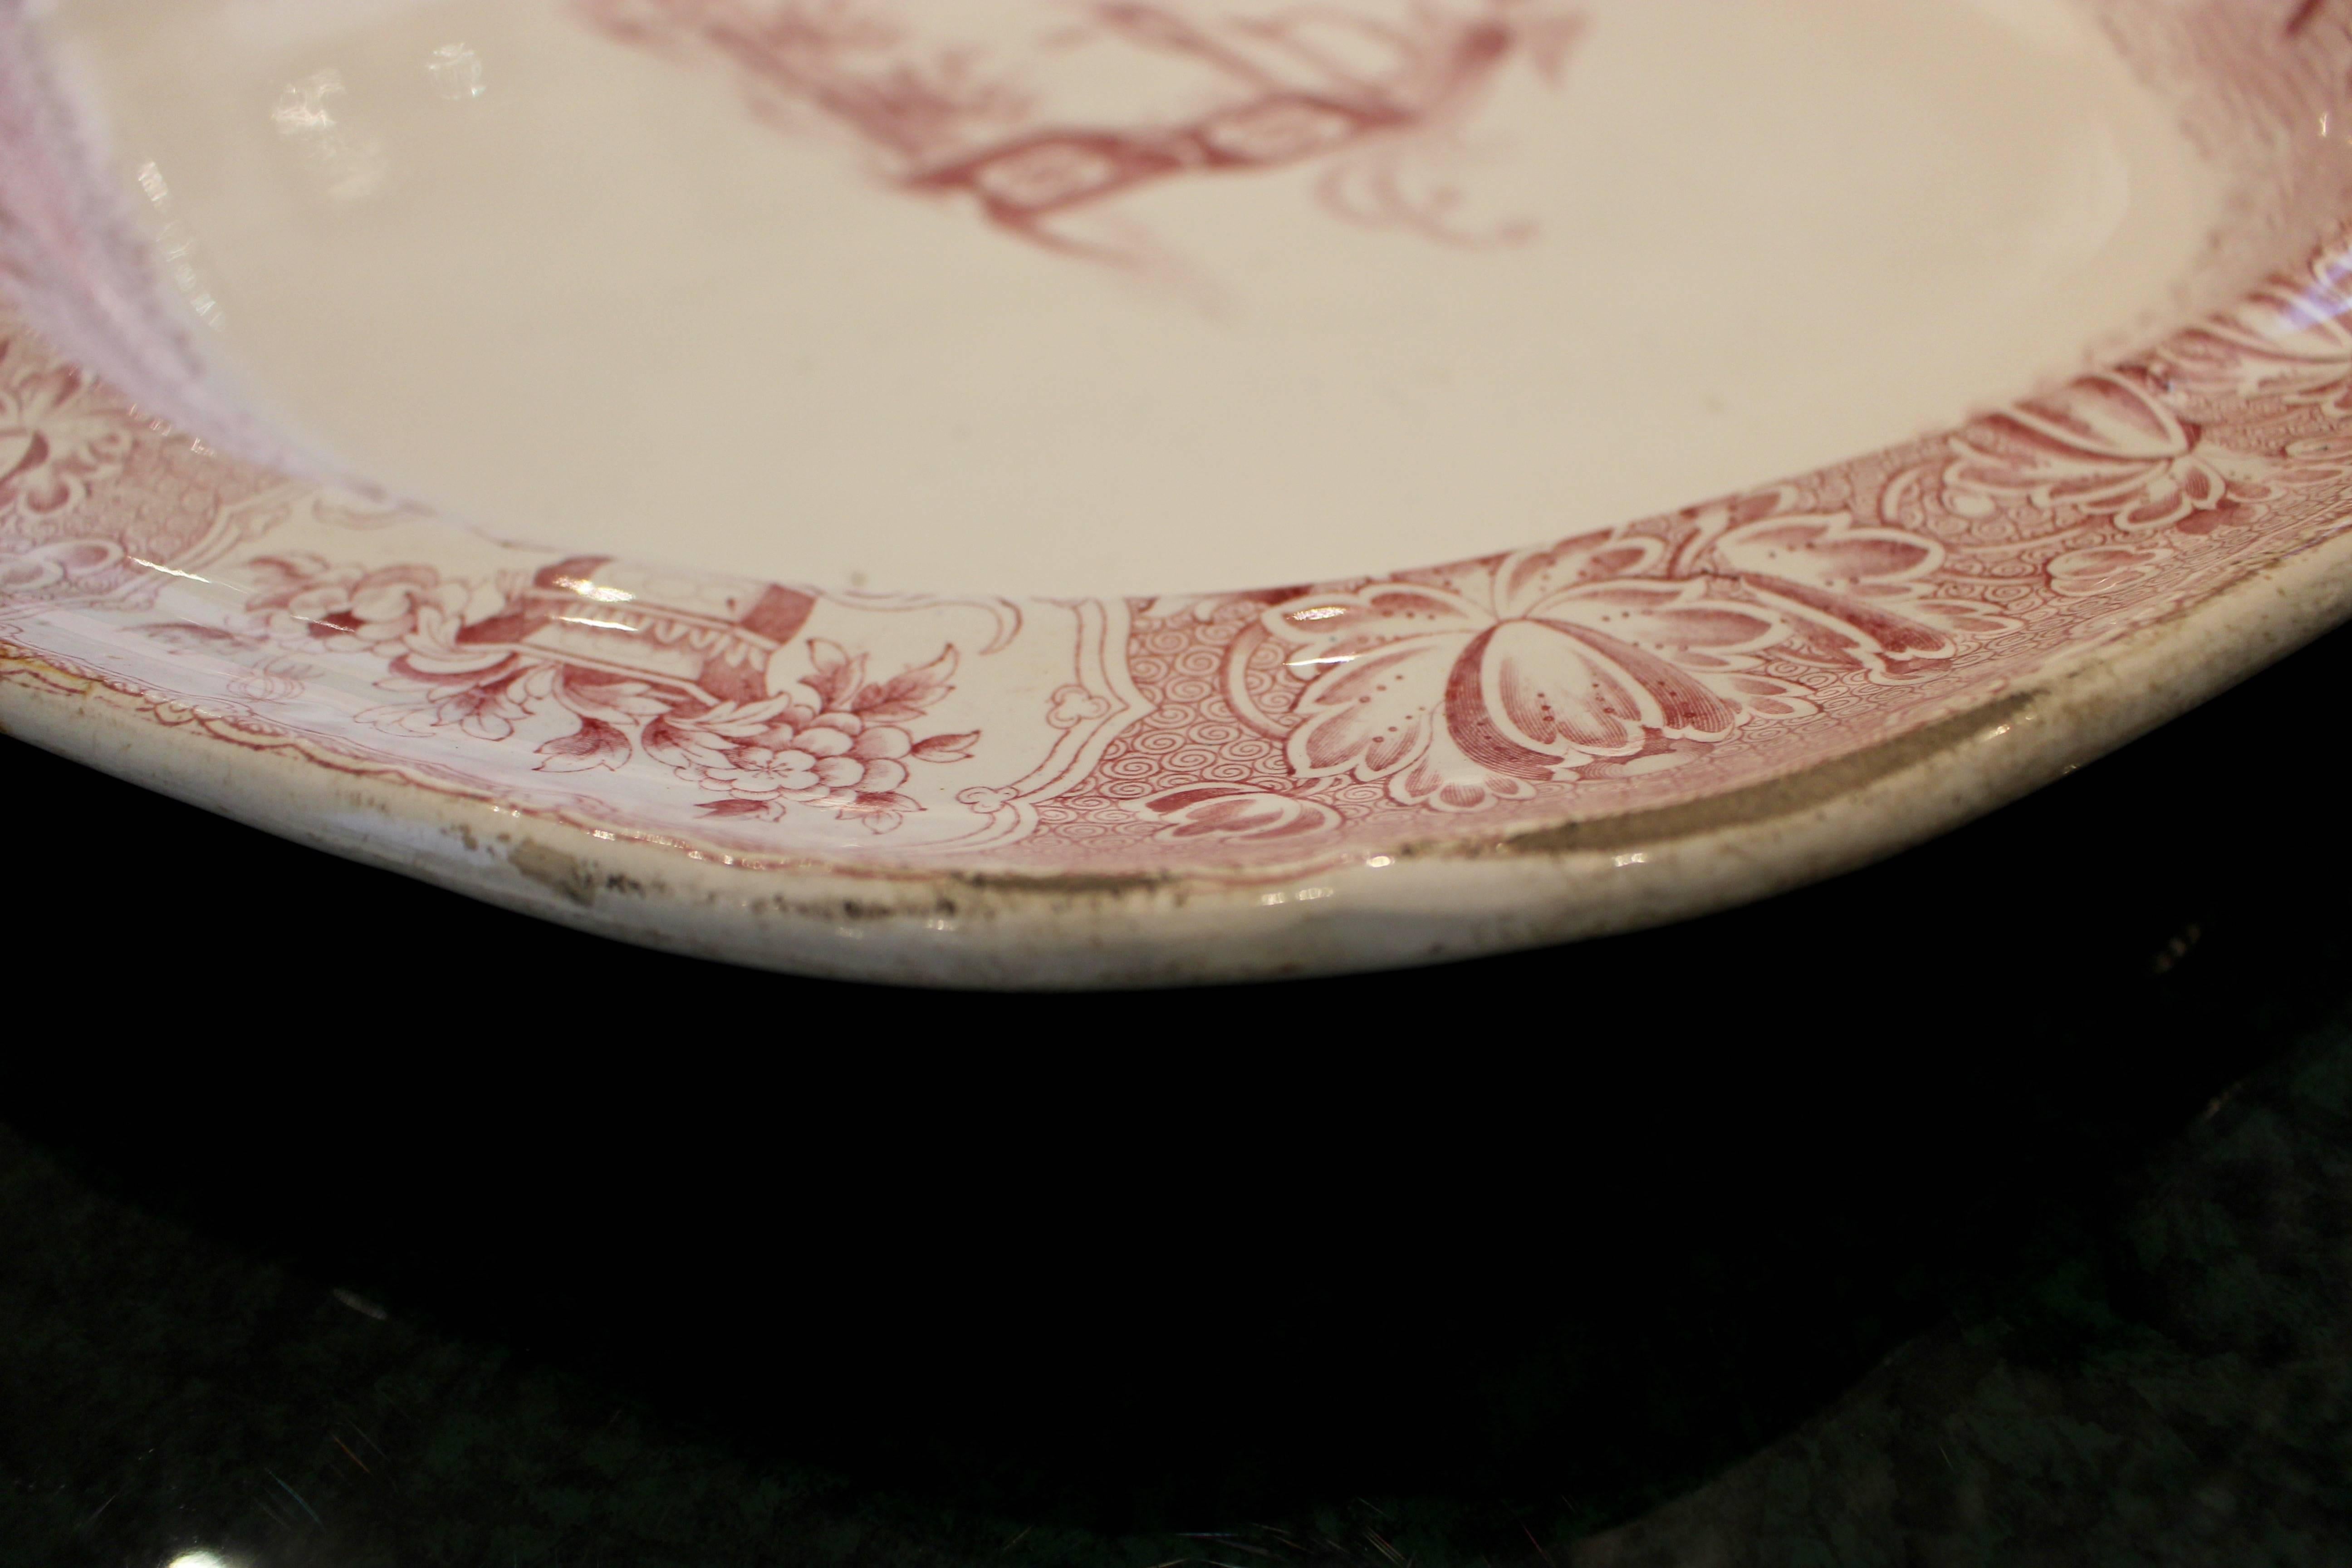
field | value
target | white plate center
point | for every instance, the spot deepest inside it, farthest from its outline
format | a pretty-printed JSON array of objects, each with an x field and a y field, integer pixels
[{"x": 1075, "y": 297}]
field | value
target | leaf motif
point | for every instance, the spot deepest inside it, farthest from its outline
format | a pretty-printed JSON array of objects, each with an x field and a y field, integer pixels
[
  {"x": 190, "y": 636},
  {"x": 481, "y": 720},
  {"x": 601, "y": 697},
  {"x": 743, "y": 720},
  {"x": 2105, "y": 415},
  {"x": 947, "y": 748},
  {"x": 1330, "y": 628},
  {"x": 726, "y": 808},
  {"x": 1371, "y": 716},
  {"x": 833, "y": 675},
  {"x": 910, "y": 692},
  {"x": 1531, "y": 576},
  {"x": 666, "y": 743},
  {"x": 534, "y": 685},
  {"x": 286, "y": 572},
  {"x": 1829, "y": 551},
  {"x": 595, "y": 744},
  {"x": 881, "y": 812}
]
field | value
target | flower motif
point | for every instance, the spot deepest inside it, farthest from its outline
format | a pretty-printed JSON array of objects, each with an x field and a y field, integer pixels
[
  {"x": 1856, "y": 598},
  {"x": 1234, "y": 812},
  {"x": 1549, "y": 662},
  {"x": 460, "y": 651},
  {"x": 416, "y": 621},
  {"x": 2288, "y": 340},
  {"x": 48, "y": 566},
  {"x": 2301, "y": 465},
  {"x": 58, "y": 435},
  {"x": 409, "y": 615},
  {"x": 2104, "y": 445},
  {"x": 2107, "y": 446}
]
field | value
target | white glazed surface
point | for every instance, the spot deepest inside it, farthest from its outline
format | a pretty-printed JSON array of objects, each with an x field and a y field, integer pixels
[
  {"x": 1630, "y": 722},
  {"x": 572, "y": 291}
]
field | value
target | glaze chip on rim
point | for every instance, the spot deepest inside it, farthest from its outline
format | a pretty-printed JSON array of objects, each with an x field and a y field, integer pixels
[{"x": 1604, "y": 730}]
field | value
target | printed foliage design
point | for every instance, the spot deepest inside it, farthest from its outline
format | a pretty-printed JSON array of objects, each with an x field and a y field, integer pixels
[
  {"x": 462, "y": 656},
  {"x": 1652, "y": 664},
  {"x": 1608, "y": 655},
  {"x": 58, "y": 435}
]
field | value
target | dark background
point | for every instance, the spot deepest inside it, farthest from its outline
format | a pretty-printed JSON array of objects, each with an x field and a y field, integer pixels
[{"x": 1558, "y": 1233}]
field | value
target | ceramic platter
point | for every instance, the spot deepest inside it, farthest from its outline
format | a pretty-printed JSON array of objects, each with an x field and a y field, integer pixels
[{"x": 946, "y": 492}]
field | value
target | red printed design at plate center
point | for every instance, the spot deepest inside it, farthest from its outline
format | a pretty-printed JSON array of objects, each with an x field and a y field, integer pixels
[{"x": 1364, "y": 92}]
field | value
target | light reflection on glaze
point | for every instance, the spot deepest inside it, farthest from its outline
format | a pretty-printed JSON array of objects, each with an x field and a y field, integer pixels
[{"x": 703, "y": 296}]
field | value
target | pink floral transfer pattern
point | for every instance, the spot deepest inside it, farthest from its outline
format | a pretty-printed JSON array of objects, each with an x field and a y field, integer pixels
[
  {"x": 476, "y": 657},
  {"x": 1660, "y": 663},
  {"x": 1457, "y": 694},
  {"x": 58, "y": 435},
  {"x": 89, "y": 488}
]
